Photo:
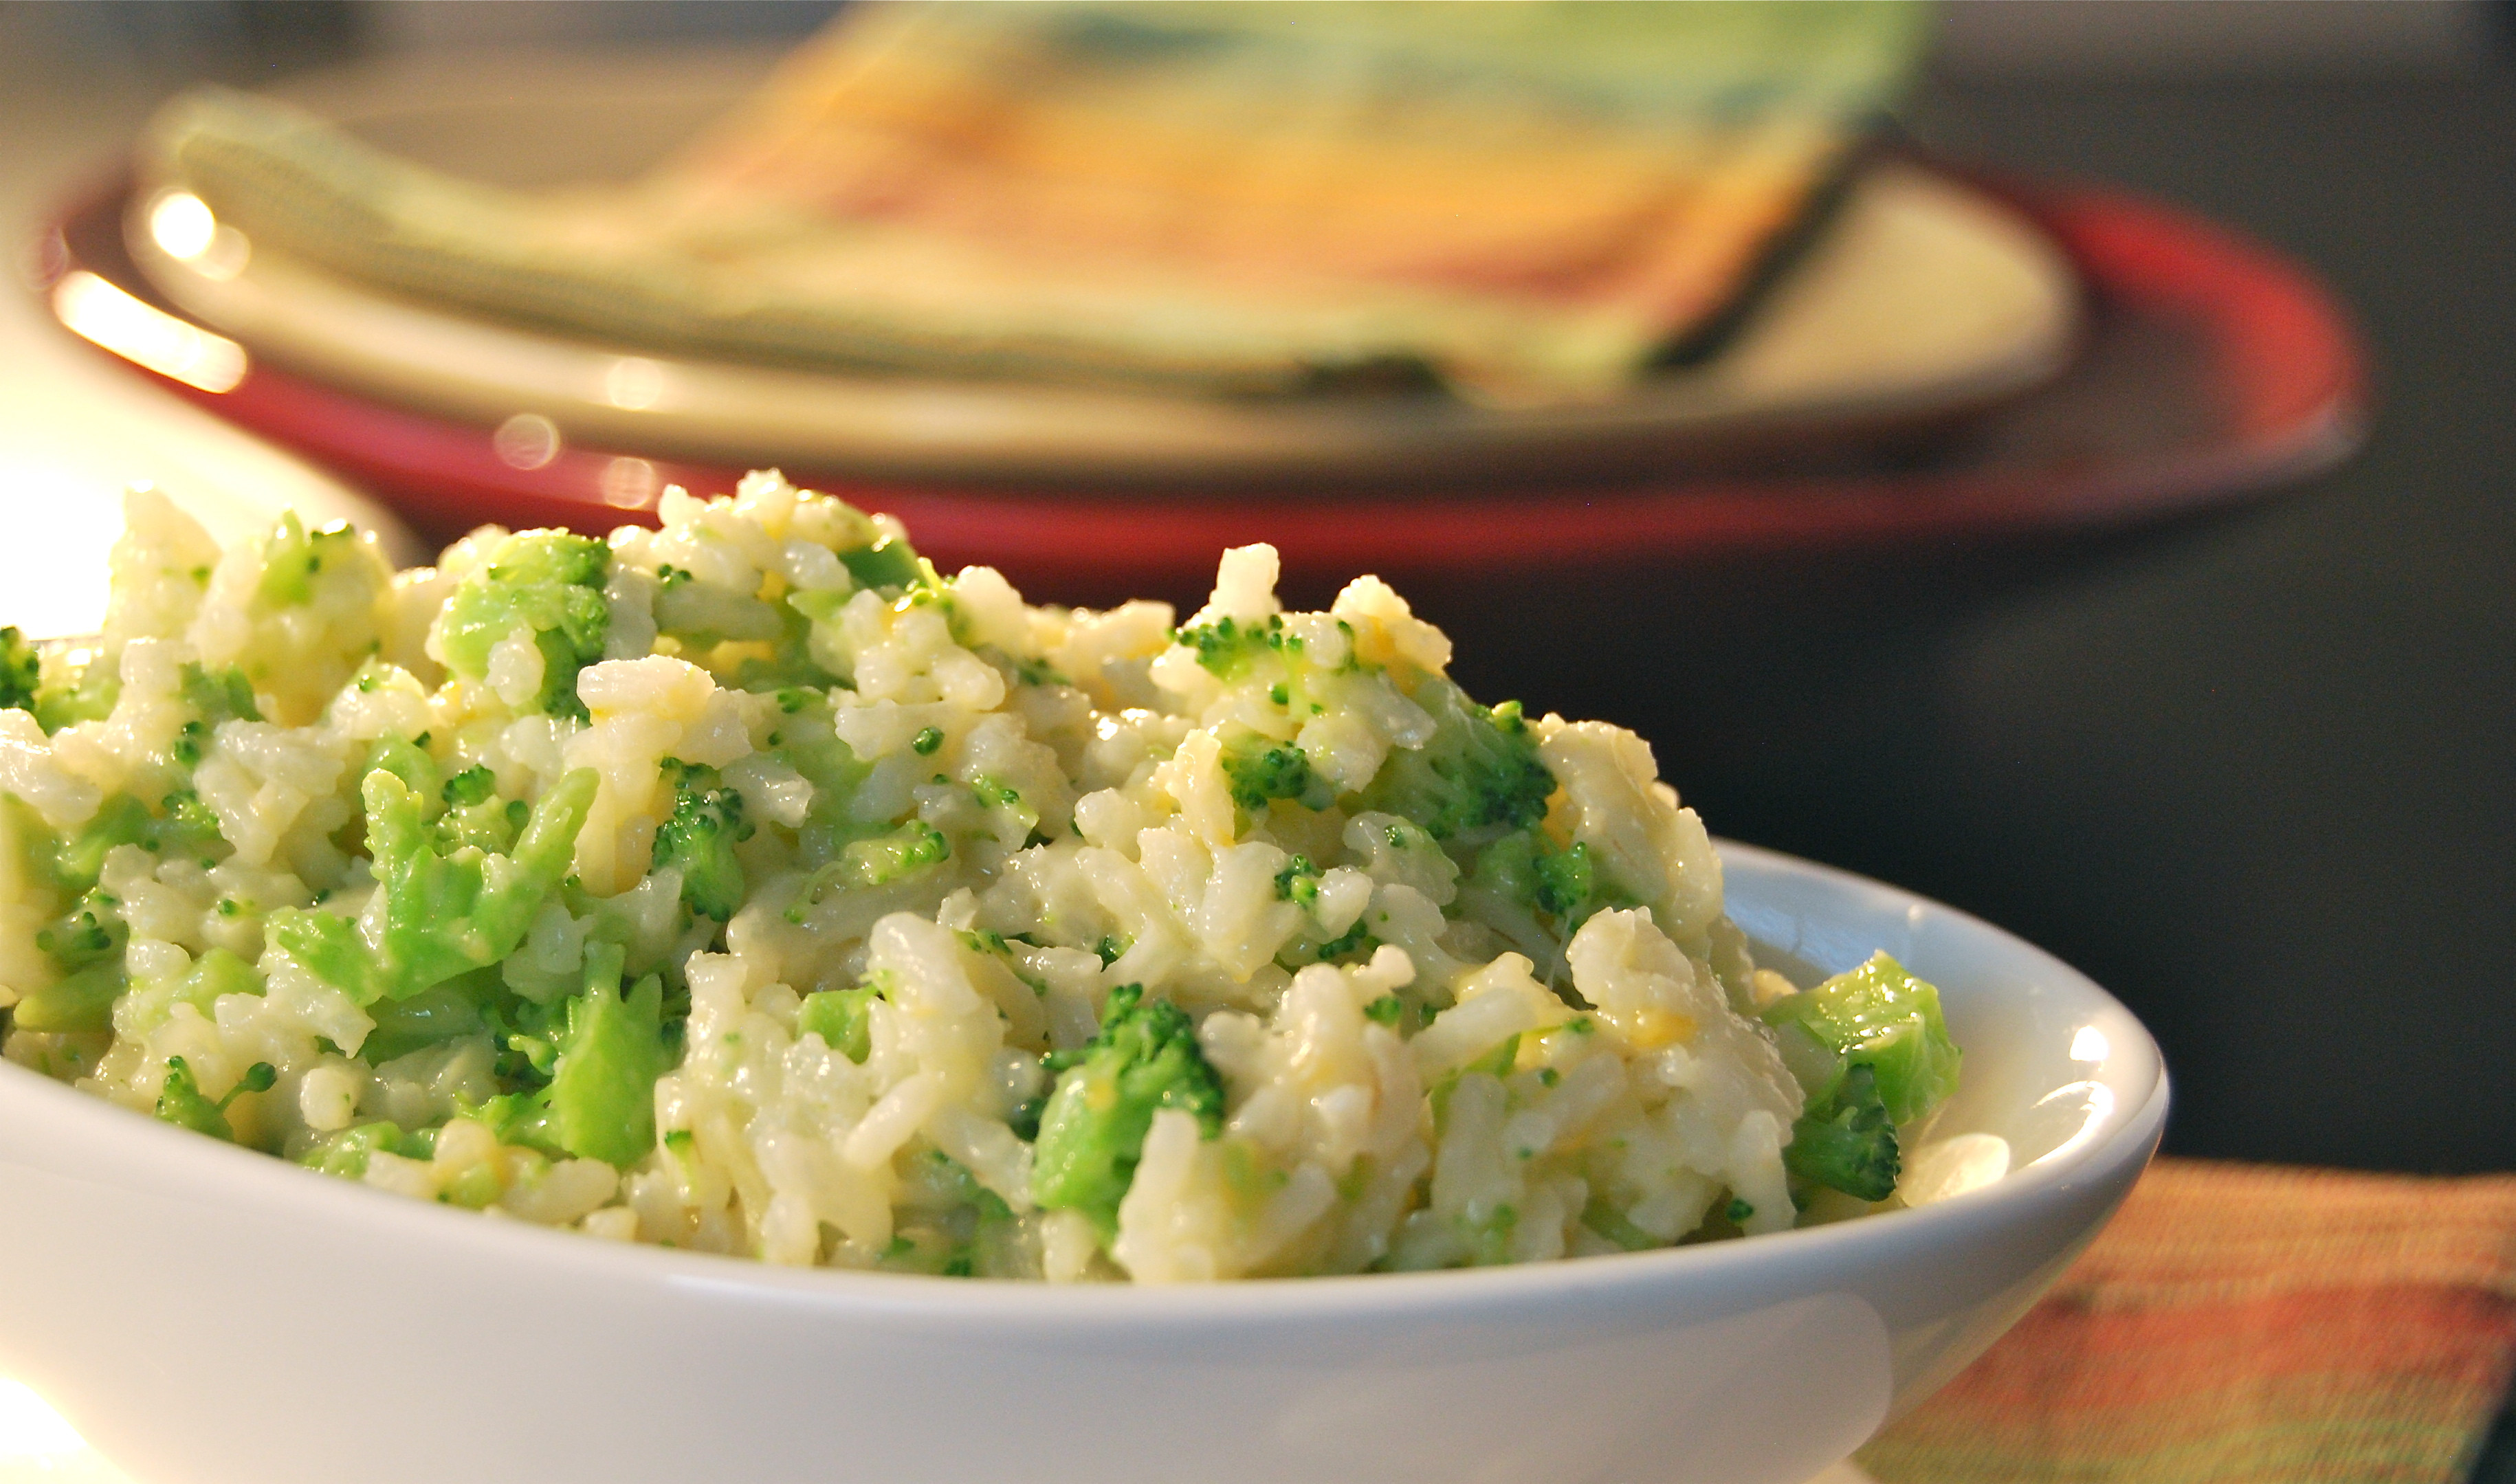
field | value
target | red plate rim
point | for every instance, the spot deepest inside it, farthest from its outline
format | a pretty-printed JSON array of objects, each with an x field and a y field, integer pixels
[{"x": 2285, "y": 360}]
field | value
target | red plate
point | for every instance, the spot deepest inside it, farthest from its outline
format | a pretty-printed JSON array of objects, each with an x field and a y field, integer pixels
[{"x": 2213, "y": 369}]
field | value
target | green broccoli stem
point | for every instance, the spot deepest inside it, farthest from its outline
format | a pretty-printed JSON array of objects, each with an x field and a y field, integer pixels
[{"x": 1092, "y": 1130}]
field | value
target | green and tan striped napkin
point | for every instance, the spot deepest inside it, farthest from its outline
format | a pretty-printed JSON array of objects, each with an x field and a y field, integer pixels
[{"x": 2246, "y": 1325}]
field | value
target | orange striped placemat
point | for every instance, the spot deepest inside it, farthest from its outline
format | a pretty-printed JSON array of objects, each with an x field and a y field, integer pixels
[{"x": 2246, "y": 1325}]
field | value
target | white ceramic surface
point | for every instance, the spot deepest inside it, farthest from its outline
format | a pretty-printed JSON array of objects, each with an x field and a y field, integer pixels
[{"x": 204, "y": 1313}]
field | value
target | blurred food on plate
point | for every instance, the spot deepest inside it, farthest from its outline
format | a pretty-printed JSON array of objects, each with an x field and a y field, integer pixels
[{"x": 1529, "y": 204}]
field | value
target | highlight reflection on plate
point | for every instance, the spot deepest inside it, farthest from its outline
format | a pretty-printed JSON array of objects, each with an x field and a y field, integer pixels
[{"x": 1921, "y": 299}]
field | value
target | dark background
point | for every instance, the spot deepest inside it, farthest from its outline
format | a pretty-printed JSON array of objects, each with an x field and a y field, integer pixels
[{"x": 2255, "y": 773}]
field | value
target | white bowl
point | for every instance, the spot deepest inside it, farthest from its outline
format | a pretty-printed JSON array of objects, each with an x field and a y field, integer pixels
[{"x": 205, "y": 1313}]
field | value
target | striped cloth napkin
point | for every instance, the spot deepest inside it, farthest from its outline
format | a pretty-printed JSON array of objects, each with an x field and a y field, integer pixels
[
  {"x": 1532, "y": 203},
  {"x": 2246, "y": 1325}
]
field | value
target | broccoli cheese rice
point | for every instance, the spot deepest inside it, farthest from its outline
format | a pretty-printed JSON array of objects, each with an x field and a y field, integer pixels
[{"x": 749, "y": 885}]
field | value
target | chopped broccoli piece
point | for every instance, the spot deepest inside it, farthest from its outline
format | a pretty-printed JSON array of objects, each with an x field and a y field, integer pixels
[
  {"x": 841, "y": 1018},
  {"x": 1260, "y": 770},
  {"x": 1039, "y": 672},
  {"x": 1388, "y": 1010},
  {"x": 807, "y": 742},
  {"x": 876, "y": 862},
  {"x": 80, "y": 860},
  {"x": 1614, "y": 1225},
  {"x": 443, "y": 915},
  {"x": 1480, "y": 767},
  {"x": 1495, "y": 1063},
  {"x": 180, "y": 1101},
  {"x": 886, "y": 858},
  {"x": 1298, "y": 883},
  {"x": 223, "y": 697},
  {"x": 187, "y": 827},
  {"x": 217, "y": 973},
  {"x": 345, "y": 1154},
  {"x": 1227, "y": 646},
  {"x": 491, "y": 826},
  {"x": 292, "y": 557},
  {"x": 474, "y": 785},
  {"x": 92, "y": 931},
  {"x": 21, "y": 671},
  {"x": 1880, "y": 1017},
  {"x": 699, "y": 839},
  {"x": 438, "y": 1013},
  {"x": 81, "y": 1002},
  {"x": 1091, "y": 1133},
  {"x": 1112, "y": 948},
  {"x": 1847, "y": 1143},
  {"x": 1490, "y": 1240},
  {"x": 411, "y": 763},
  {"x": 890, "y": 562},
  {"x": 1565, "y": 885},
  {"x": 547, "y": 582},
  {"x": 81, "y": 687},
  {"x": 1355, "y": 940},
  {"x": 602, "y": 1093}
]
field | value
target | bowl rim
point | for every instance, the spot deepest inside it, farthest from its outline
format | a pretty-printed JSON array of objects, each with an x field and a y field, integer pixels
[{"x": 2126, "y": 1133}]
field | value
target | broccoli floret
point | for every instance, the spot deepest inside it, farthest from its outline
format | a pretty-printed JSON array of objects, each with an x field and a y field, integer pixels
[
  {"x": 1877, "y": 1015},
  {"x": 1480, "y": 767},
  {"x": 92, "y": 931},
  {"x": 584, "y": 1068},
  {"x": 21, "y": 671},
  {"x": 699, "y": 839},
  {"x": 440, "y": 1013},
  {"x": 77, "y": 689},
  {"x": 806, "y": 741},
  {"x": 78, "y": 860},
  {"x": 1357, "y": 941},
  {"x": 1298, "y": 883},
  {"x": 474, "y": 785},
  {"x": 80, "y": 1001},
  {"x": 1847, "y": 1143},
  {"x": 1225, "y": 647},
  {"x": 1566, "y": 885},
  {"x": 1614, "y": 1225},
  {"x": 876, "y": 862},
  {"x": 225, "y": 696},
  {"x": 547, "y": 582},
  {"x": 345, "y": 1153},
  {"x": 1091, "y": 1133},
  {"x": 180, "y": 1101},
  {"x": 842, "y": 1018},
  {"x": 293, "y": 558},
  {"x": 491, "y": 826},
  {"x": 1489, "y": 1239},
  {"x": 890, "y": 562},
  {"x": 443, "y": 914},
  {"x": 612, "y": 1049},
  {"x": 1260, "y": 770},
  {"x": 1527, "y": 868}
]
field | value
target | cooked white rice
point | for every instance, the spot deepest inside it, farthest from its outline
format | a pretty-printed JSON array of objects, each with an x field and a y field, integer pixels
[{"x": 1076, "y": 771}]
